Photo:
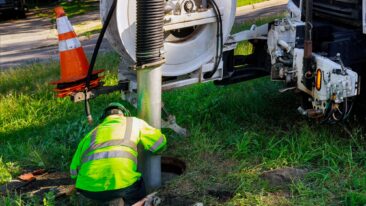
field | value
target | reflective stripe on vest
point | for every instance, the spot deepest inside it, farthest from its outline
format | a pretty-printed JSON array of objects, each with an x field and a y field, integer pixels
[
  {"x": 125, "y": 141},
  {"x": 116, "y": 142},
  {"x": 157, "y": 144},
  {"x": 110, "y": 154}
]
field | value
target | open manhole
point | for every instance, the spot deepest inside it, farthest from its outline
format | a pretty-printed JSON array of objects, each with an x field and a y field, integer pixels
[{"x": 171, "y": 168}]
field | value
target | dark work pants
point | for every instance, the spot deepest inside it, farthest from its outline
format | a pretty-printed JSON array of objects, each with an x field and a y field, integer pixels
[{"x": 130, "y": 195}]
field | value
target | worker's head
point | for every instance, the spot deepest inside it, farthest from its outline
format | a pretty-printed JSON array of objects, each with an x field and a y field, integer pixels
[{"x": 115, "y": 108}]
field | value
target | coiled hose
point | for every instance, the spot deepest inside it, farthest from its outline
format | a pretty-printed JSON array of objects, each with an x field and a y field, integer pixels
[{"x": 149, "y": 31}]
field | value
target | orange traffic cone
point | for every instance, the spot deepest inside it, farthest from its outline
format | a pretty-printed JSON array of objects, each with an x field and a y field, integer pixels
[{"x": 74, "y": 64}]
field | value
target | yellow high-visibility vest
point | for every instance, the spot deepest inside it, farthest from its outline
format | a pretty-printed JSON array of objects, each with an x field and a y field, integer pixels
[{"x": 106, "y": 158}]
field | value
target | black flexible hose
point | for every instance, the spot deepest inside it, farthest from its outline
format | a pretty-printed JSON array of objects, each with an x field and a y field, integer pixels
[
  {"x": 94, "y": 58},
  {"x": 217, "y": 33},
  {"x": 99, "y": 42},
  {"x": 220, "y": 42},
  {"x": 330, "y": 112},
  {"x": 149, "y": 31},
  {"x": 327, "y": 119},
  {"x": 349, "y": 110}
]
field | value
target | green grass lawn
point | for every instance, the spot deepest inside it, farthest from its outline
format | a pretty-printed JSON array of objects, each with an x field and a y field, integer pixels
[
  {"x": 72, "y": 9},
  {"x": 237, "y": 132},
  {"x": 248, "y": 2}
]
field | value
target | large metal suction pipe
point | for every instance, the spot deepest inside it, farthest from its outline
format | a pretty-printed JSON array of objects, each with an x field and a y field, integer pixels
[
  {"x": 149, "y": 109},
  {"x": 149, "y": 58}
]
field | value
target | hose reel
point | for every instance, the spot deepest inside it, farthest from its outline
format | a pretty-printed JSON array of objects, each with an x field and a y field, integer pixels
[{"x": 189, "y": 33}]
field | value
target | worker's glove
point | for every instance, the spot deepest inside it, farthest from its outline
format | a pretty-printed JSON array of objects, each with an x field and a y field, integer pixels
[{"x": 152, "y": 200}]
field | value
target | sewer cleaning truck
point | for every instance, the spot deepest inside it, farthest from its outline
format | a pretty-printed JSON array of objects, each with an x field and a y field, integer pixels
[{"x": 317, "y": 49}]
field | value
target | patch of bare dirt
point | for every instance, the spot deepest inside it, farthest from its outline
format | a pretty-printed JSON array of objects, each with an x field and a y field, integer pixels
[{"x": 57, "y": 182}]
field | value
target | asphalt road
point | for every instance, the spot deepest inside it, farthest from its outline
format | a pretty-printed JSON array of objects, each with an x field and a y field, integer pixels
[{"x": 34, "y": 39}]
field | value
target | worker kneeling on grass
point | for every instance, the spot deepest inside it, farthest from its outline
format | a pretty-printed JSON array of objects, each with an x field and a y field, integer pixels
[{"x": 105, "y": 163}]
